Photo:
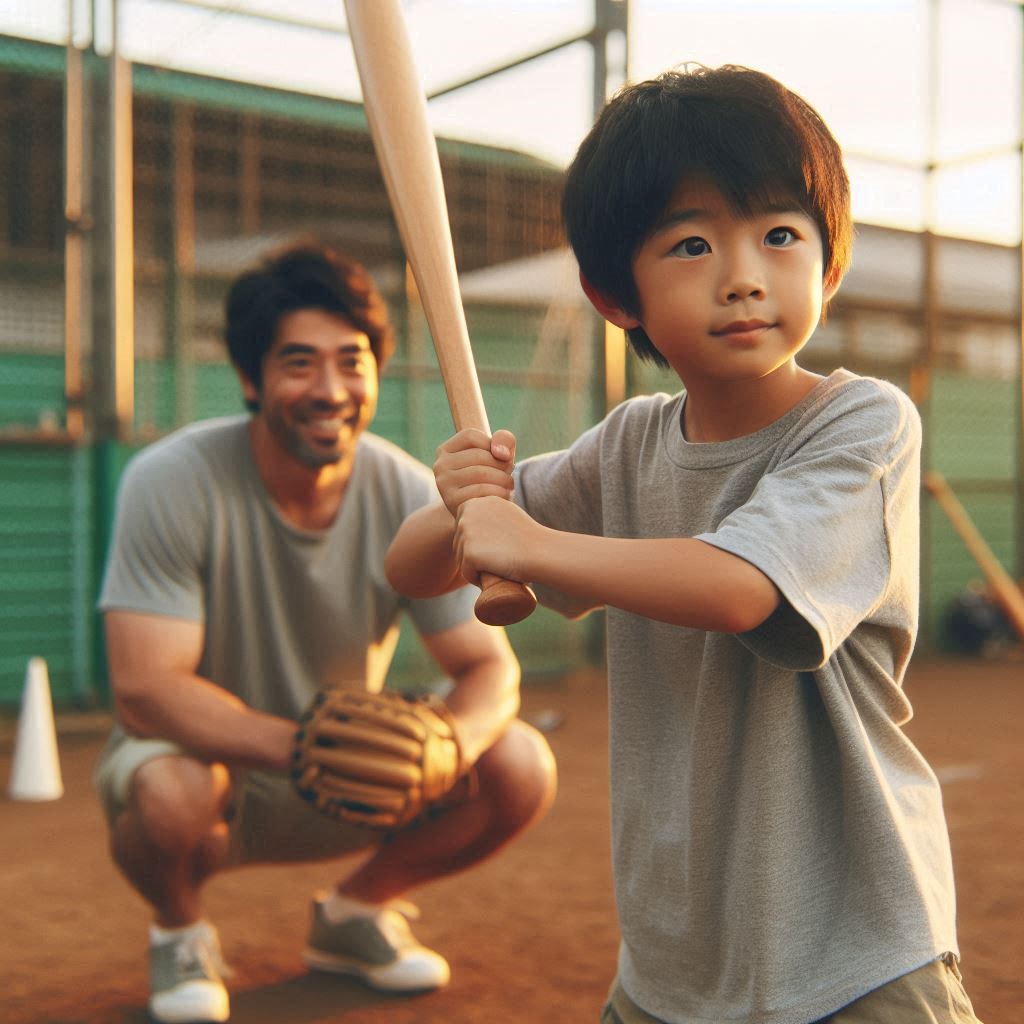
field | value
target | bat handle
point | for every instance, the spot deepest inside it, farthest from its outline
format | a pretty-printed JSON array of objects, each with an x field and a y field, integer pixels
[{"x": 502, "y": 602}]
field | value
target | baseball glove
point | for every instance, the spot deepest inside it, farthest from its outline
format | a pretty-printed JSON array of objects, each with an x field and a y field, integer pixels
[{"x": 377, "y": 759}]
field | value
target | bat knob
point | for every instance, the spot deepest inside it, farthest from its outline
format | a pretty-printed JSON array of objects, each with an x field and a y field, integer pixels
[{"x": 502, "y": 602}]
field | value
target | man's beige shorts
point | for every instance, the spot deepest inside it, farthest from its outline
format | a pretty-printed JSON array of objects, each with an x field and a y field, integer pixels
[
  {"x": 269, "y": 823},
  {"x": 933, "y": 994}
]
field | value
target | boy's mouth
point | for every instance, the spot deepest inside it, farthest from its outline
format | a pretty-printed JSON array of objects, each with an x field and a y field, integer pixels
[{"x": 741, "y": 327}]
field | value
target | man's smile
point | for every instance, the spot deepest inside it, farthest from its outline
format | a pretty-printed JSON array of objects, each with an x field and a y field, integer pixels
[{"x": 336, "y": 423}]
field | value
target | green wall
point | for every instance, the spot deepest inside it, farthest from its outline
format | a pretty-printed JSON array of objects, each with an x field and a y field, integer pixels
[
  {"x": 971, "y": 428},
  {"x": 45, "y": 575}
]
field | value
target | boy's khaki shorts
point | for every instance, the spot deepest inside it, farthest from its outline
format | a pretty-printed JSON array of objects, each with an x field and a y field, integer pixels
[
  {"x": 268, "y": 821},
  {"x": 933, "y": 994}
]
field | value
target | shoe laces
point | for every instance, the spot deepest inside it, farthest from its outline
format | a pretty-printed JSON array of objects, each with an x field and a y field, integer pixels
[
  {"x": 202, "y": 951},
  {"x": 393, "y": 921}
]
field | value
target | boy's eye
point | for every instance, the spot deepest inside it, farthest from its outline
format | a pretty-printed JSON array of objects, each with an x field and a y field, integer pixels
[
  {"x": 691, "y": 248},
  {"x": 779, "y": 237}
]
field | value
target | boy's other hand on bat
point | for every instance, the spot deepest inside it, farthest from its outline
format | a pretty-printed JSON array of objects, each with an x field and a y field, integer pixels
[
  {"x": 496, "y": 537},
  {"x": 473, "y": 465}
]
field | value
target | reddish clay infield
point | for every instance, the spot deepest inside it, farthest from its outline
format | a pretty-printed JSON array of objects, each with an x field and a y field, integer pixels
[{"x": 531, "y": 934}]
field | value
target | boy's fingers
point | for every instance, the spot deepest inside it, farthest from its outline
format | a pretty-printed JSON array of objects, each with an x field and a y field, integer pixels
[
  {"x": 465, "y": 439},
  {"x": 478, "y": 490},
  {"x": 475, "y": 459},
  {"x": 452, "y": 474},
  {"x": 503, "y": 445},
  {"x": 471, "y": 466}
]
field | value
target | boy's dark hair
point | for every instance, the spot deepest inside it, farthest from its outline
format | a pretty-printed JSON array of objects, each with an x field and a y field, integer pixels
[
  {"x": 745, "y": 132},
  {"x": 306, "y": 275}
]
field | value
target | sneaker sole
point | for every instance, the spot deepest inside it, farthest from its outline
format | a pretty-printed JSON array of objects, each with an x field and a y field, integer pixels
[
  {"x": 190, "y": 1008},
  {"x": 186, "y": 1020},
  {"x": 334, "y": 964}
]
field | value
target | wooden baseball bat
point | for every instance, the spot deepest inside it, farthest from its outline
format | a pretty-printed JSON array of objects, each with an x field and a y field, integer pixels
[
  {"x": 1006, "y": 591},
  {"x": 396, "y": 109}
]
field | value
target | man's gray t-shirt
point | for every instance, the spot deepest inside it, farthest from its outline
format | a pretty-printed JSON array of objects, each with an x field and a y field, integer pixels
[
  {"x": 286, "y": 611},
  {"x": 779, "y": 845}
]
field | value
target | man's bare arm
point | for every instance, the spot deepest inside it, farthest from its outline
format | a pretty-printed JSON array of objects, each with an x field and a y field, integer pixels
[
  {"x": 485, "y": 671},
  {"x": 158, "y": 693}
]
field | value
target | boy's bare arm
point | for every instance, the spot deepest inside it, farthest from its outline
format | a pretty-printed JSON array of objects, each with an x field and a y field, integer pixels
[
  {"x": 420, "y": 561},
  {"x": 681, "y": 581},
  {"x": 676, "y": 580}
]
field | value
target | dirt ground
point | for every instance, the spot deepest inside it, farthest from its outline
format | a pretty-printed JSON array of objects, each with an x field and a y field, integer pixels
[{"x": 531, "y": 934}]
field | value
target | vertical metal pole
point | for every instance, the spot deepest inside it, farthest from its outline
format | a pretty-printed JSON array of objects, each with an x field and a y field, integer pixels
[
  {"x": 74, "y": 321},
  {"x": 614, "y": 365},
  {"x": 74, "y": 166},
  {"x": 113, "y": 378},
  {"x": 114, "y": 351},
  {"x": 1018, "y": 533},
  {"x": 249, "y": 183},
  {"x": 599, "y": 92},
  {"x": 929, "y": 238},
  {"x": 183, "y": 263},
  {"x": 611, "y": 22},
  {"x": 921, "y": 389},
  {"x": 123, "y": 298},
  {"x": 611, "y": 19}
]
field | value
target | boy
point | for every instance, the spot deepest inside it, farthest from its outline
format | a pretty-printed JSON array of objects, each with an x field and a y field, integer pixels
[{"x": 779, "y": 846}]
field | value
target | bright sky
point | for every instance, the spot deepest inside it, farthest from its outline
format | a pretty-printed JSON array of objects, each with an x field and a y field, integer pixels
[{"x": 864, "y": 64}]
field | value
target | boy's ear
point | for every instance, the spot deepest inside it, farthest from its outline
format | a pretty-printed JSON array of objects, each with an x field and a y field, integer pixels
[
  {"x": 608, "y": 308},
  {"x": 830, "y": 286}
]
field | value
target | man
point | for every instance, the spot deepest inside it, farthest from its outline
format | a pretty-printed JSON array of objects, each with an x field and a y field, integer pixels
[{"x": 245, "y": 575}]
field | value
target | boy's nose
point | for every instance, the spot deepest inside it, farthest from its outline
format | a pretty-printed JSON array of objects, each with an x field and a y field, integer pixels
[
  {"x": 742, "y": 277},
  {"x": 744, "y": 292},
  {"x": 739, "y": 287}
]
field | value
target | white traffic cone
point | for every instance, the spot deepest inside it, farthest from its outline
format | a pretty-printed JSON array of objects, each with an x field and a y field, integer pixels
[{"x": 35, "y": 771}]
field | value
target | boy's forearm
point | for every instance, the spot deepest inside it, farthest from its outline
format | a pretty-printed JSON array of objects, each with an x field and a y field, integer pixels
[
  {"x": 682, "y": 581},
  {"x": 419, "y": 563}
]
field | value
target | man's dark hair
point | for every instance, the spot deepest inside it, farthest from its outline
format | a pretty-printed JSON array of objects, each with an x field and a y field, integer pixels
[
  {"x": 740, "y": 129},
  {"x": 305, "y": 275}
]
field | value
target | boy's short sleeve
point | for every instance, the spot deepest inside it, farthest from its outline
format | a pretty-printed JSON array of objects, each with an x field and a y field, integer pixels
[
  {"x": 834, "y": 526},
  {"x": 156, "y": 554}
]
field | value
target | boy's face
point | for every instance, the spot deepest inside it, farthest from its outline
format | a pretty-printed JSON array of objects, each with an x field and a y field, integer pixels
[{"x": 728, "y": 297}]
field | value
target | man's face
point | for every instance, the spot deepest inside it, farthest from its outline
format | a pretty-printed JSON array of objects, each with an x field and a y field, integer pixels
[
  {"x": 319, "y": 388},
  {"x": 726, "y": 297}
]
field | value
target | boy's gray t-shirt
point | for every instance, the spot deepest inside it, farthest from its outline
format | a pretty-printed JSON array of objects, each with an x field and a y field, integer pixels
[
  {"x": 779, "y": 845},
  {"x": 286, "y": 611}
]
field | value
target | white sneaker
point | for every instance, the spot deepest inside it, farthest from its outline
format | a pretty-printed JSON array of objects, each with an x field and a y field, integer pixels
[
  {"x": 379, "y": 948},
  {"x": 185, "y": 978}
]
